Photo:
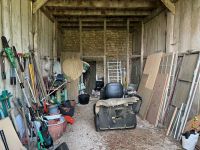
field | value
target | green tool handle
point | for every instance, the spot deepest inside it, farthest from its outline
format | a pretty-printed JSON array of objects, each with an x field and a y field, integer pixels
[
  {"x": 18, "y": 60},
  {"x": 40, "y": 136}
]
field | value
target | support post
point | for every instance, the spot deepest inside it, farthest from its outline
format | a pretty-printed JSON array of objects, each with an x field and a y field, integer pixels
[
  {"x": 142, "y": 50},
  {"x": 6, "y": 31},
  {"x": 54, "y": 39},
  {"x": 128, "y": 53},
  {"x": 104, "y": 60},
  {"x": 80, "y": 38}
]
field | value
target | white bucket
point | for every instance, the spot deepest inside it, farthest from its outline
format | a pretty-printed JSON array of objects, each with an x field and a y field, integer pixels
[{"x": 190, "y": 143}]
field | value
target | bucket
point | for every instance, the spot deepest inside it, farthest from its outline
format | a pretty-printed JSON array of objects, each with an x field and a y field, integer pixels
[
  {"x": 56, "y": 128},
  {"x": 53, "y": 109},
  {"x": 190, "y": 142},
  {"x": 84, "y": 99}
]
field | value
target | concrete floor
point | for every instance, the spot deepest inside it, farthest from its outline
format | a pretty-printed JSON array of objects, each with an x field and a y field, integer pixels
[{"x": 82, "y": 135}]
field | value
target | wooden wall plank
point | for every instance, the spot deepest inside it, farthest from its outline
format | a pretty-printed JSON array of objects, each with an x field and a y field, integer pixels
[
  {"x": 16, "y": 24},
  {"x": 157, "y": 97},
  {"x": 25, "y": 24}
]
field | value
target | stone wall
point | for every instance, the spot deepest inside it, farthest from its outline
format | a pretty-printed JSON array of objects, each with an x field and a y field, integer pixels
[
  {"x": 93, "y": 44},
  {"x": 71, "y": 40}
]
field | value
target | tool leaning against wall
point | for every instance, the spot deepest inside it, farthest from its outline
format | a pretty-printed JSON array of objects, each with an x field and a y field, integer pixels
[{"x": 44, "y": 138}]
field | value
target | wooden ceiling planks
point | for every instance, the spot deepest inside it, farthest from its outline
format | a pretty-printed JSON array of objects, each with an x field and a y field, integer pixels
[{"x": 62, "y": 10}]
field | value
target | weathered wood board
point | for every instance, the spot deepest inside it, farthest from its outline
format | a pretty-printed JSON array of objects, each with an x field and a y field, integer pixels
[
  {"x": 157, "y": 97},
  {"x": 145, "y": 93},
  {"x": 185, "y": 78},
  {"x": 151, "y": 69},
  {"x": 147, "y": 82}
]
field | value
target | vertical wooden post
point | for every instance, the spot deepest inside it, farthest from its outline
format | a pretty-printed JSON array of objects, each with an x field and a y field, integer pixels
[
  {"x": 6, "y": 31},
  {"x": 142, "y": 50},
  {"x": 55, "y": 39},
  {"x": 30, "y": 26},
  {"x": 104, "y": 60},
  {"x": 128, "y": 54},
  {"x": 6, "y": 19},
  {"x": 80, "y": 38}
]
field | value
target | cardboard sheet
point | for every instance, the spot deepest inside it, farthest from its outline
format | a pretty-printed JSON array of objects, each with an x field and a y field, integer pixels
[{"x": 10, "y": 134}]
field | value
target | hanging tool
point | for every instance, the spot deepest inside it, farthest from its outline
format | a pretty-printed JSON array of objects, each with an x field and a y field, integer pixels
[
  {"x": 32, "y": 74},
  {"x": 3, "y": 137},
  {"x": 12, "y": 76},
  {"x": 11, "y": 58},
  {"x": 5, "y": 101},
  {"x": 2, "y": 61},
  {"x": 18, "y": 60},
  {"x": 45, "y": 139},
  {"x": 39, "y": 77}
]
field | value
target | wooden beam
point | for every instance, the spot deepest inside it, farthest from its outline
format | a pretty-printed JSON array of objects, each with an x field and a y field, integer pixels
[
  {"x": 105, "y": 53},
  {"x": 87, "y": 24},
  {"x": 94, "y": 26},
  {"x": 128, "y": 53},
  {"x": 38, "y": 4},
  {"x": 80, "y": 37},
  {"x": 46, "y": 12},
  {"x": 95, "y": 4},
  {"x": 98, "y": 19},
  {"x": 100, "y": 13},
  {"x": 142, "y": 51},
  {"x": 154, "y": 13},
  {"x": 169, "y": 5}
]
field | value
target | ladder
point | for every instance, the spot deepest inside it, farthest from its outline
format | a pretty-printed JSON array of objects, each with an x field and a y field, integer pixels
[{"x": 114, "y": 68}]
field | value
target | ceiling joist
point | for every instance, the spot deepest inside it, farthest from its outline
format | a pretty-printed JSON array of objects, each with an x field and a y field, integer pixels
[
  {"x": 95, "y": 4},
  {"x": 97, "y": 19},
  {"x": 100, "y": 13},
  {"x": 38, "y": 4}
]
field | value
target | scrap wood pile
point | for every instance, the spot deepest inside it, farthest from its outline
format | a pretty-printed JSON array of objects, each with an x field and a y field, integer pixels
[
  {"x": 168, "y": 88},
  {"x": 37, "y": 112}
]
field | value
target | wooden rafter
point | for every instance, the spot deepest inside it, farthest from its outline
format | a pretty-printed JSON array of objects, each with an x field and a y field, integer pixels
[
  {"x": 97, "y": 19},
  {"x": 45, "y": 11},
  {"x": 38, "y": 4},
  {"x": 169, "y": 5}
]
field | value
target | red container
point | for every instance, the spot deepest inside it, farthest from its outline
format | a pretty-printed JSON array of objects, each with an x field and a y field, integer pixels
[{"x": 57, "y": 128}]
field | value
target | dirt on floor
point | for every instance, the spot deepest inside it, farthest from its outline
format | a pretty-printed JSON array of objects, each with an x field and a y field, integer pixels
[{"x": 83, "y": 136}]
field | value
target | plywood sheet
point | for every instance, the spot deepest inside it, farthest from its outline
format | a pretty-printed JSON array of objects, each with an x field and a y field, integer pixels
[
  {"x": 151, "y": 69},
  {"x": 10, "y": 134},
  {"x": 157, "y": 97},
  {"x": 145, "y": 93}
]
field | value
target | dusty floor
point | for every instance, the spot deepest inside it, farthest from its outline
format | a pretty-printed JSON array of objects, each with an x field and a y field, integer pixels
[{"x": 82, "y": 135}]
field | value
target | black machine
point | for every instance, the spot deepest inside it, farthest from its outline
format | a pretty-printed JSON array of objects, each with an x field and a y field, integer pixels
[{"x": 114, "y": 111}]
